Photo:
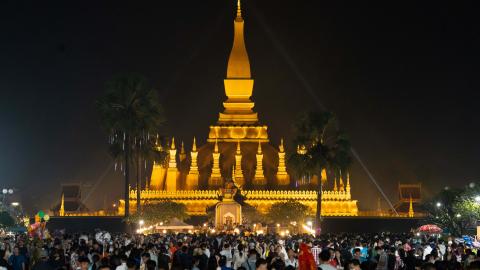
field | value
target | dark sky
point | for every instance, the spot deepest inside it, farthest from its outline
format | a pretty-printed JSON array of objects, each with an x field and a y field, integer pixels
[{"x": 402, "y": 78}]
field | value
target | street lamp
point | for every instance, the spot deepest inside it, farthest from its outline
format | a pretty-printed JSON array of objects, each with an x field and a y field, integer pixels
[
  {"x": 477, "y": 199},
  {"x": 15, "y": 203},
  {"x": 141, "y": 222},
  {"x": 4, "y": 191},
  {"x": 439, "y": 204},
  {"x": 458, "y": 215}
]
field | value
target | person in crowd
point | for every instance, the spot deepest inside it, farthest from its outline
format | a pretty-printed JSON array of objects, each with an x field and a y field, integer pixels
[
  {"x": 325, "y": 257},
  {"x": 84, "y": 263},
  {"x": 354, "y": 264},
  {"x": 316, "y": 249},
  {"x": 199, "y": 251},
  {"x": 305, "y": 258},
  {"x": 132, "y": 265},
  {"x": 123, "y": 263},
  {"x": 261, "y": 264},
  {"x": 17, "y": 260},
  {"x": 239, "y": 256},
  {"x": 250, "y": 263},
  {"x": 227, "y": 252},
  {"x": 291, "y": 260},
  {"x": 3, "y": 262},
  {"x": 43, "y": 263}
]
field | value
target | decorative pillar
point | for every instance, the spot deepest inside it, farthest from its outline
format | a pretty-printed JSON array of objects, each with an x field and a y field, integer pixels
[
  {"x": 347, "y": 189},
  {"x": 238, "y": 175},
  {"x": 182, "y": 155},
  {"x": 172, "y": 171},
  {"x": 323, "y": 176},
  {"x": 259, "y": 177},
  {"x": 215, "y": 179},
  {"x": 192, "y": 177},
  {"x": 341, "y": 185},
  {"x": 159, "y": 171},
  {"x": 283, "y": 178}
]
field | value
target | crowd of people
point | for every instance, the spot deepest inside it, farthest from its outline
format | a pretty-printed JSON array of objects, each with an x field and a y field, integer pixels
[{"x": 181, "y": 251}]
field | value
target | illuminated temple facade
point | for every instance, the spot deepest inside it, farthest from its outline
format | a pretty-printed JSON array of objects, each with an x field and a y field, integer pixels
[{"x": 237, "y": 149}]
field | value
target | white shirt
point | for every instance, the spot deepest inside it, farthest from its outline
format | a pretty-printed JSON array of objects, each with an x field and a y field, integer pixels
[
  {"x": 227, "y": 253},
  {"x": 239, "y": 260},
  {"x": 206, "y": 251},
  {"x": 293, "y": 262},
  {"x": 122, "y": 266},
  {"x": 327, "y": 266},
  {"x": 427, "y": 251},
  {"x": 153, "y": 257}
]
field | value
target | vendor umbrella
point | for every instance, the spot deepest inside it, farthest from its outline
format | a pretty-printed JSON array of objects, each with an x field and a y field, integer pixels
[{"x": 430, "y": 228}]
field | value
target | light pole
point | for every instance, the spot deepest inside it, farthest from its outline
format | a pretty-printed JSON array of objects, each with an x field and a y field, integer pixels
[{"x": 5, "y": 192}]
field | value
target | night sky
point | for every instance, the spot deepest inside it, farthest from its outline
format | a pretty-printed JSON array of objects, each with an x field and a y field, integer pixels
[{"x": 403, "y": 80}]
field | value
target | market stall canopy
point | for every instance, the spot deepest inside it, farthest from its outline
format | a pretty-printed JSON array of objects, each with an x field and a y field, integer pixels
[
  {"x": 174, "y": 224},
  {"x": 429, "y": 228}
]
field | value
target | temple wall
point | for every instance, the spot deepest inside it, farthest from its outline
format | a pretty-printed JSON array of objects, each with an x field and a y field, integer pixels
[{"x": 334, "y": 203}]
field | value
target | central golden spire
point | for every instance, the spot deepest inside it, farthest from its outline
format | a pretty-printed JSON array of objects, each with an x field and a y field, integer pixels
[
  {"x": 238, "y": 122},
  {"x": 238, "y": 84},
  {"x": 238, "y": 63}
]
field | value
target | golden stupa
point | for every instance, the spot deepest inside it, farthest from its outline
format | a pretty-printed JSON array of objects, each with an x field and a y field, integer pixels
[{"x": 237, "y": 149}]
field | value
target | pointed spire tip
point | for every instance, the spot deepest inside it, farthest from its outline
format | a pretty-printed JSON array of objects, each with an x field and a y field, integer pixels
[
  {"x": 194, "y": 147},
  {"x": 172, "y": 146},
  {"x": 239, "y": 10}
]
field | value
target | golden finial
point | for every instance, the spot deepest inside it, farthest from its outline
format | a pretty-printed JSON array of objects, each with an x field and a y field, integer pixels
[
  {"x": 341, "y": 185},
  {"x": 172, "y": 145},
  {"x": 157, "y": 145},
  {"x": 348, "y": 180},
  {"x": 194, "y": 147},
  {"x": 239, "y": 10},
  {"x": 216, "y": 146},
  {"x": 335, "y": 184},
  {"x": 182, "y": 150},
  {"x": 281, "y": 146},
  {"x": 259, "y": 151},
  {"x": 238, "y": 148}
]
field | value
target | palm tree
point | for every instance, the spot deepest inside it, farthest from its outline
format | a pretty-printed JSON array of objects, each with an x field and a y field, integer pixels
[
  {"x": 130, "y": 110},
  {"x": 321, "y": 146}
]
